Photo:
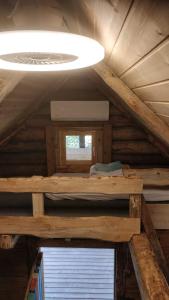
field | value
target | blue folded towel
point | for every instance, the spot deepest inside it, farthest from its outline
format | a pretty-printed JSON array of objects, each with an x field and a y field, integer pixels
[{"x": 113, "y": 166}]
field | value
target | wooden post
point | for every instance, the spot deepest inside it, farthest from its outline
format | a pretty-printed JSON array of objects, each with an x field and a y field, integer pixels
[
  {"x": 152, "y": 282},
  {"x": 51, "y": 151},
  {"x": 38, "y": 204},
  {"x": 107, "y": 143},
  {"x": 8, "y": 241},
  {"x": 135, "y": 206},
  {"x": 153, "y": 238}
]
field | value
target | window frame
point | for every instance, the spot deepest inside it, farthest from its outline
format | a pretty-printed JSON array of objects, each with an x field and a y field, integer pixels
[
  {"x": 102, "y": 145},
  {"x": 62, "y": 135}
]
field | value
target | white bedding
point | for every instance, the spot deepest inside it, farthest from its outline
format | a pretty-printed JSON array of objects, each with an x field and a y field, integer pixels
[{"x": 150, "y": 195}]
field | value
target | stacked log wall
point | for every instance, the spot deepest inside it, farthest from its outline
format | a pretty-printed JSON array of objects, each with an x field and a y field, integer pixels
[{"x": 25, "y": 153}]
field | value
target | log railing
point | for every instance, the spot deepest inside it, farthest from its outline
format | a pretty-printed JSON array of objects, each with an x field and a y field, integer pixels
[{"x": 108, "y": 228}]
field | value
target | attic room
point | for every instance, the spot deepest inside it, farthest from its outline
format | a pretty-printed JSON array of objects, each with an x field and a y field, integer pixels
[{"x": 84, "y": 149}]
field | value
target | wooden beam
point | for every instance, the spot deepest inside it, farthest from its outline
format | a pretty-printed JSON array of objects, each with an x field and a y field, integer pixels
[
  {"x": 38, "y": 204},
  {"x": 44, "y": 88},
  {"x": 76, "y": 243},
  {"x": 151, "y": 281},
  {"x": 153, "y": 238},
  {"x": 10, "y": 81},
  {"x": 8, "y": 241},
  {"x": 152, "y": 177},
  {"x": 139, "y": 110},
  {"x": 37, "y": 184},
  {"x": 114, "y": 229}
]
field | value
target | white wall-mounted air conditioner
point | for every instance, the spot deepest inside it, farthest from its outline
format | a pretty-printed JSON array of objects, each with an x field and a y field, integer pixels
[{"x": 79, "y": 110}]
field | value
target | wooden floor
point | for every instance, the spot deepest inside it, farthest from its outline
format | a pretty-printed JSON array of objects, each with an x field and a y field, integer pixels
[{"x": 71, "y": 273}]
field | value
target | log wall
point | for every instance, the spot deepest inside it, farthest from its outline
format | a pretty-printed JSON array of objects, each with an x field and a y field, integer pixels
[{"x": 25, "y": 153}]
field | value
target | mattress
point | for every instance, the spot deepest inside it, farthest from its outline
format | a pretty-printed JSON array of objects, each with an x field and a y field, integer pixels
[{"x": 150, "y": 195}]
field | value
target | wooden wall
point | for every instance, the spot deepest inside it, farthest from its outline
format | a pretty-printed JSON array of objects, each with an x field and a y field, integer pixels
[
  {"x": 25, "y": 153},
  {"x": 15, "y": 266}
]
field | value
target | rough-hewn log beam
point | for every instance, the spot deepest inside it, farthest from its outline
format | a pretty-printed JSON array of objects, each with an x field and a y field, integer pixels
[
  {"x": 151, "y": 281},
  {"x": 10, "y": 81},
  {"x": 45, "y": 91},
  {"x": 152, "y": 177},
  {"x": 114, "y": 229},
  {"x": 106, "y": 185},
  {"x": 139, "y": 110},
  {"x": 153, "y": 238}
]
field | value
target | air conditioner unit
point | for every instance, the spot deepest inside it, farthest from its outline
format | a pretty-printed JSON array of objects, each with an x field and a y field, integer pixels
[{"x": 79, "y": 110}]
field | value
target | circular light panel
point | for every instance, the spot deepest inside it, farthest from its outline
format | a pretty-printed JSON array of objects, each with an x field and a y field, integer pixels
[{"x": 31, "y": 50}]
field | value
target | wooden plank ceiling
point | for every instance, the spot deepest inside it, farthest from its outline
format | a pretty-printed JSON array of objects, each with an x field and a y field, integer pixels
[{"x": 135, "y": 35}]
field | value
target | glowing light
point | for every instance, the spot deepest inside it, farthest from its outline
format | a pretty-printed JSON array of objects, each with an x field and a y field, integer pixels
[{"x": 31, "y": 50}]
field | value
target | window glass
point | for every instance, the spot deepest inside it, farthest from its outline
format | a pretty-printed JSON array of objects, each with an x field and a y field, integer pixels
[{"x": 79, "y": 147}]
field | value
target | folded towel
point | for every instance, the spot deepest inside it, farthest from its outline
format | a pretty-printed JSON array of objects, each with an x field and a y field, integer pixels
[{"x": 111, "y": 169}]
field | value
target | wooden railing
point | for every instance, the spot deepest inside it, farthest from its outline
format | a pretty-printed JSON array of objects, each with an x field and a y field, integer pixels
[{"x": 108, "y": 228}]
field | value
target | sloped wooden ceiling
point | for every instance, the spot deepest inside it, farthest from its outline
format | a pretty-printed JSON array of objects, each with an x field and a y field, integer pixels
[
  {"x": 133, "y": 32},
  {"x": 135, "y": 35}
]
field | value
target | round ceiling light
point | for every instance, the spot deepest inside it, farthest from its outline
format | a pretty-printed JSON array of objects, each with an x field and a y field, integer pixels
[{"x": 31, "y": 50}]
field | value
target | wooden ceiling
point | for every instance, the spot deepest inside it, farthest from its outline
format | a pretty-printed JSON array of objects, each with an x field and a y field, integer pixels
[{"x": 135, "y": 35}]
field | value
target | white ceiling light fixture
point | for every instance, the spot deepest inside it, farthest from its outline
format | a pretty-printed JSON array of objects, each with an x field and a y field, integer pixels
[{"x": 35, "y": 50}]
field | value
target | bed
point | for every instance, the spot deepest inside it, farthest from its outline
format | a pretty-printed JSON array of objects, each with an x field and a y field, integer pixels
[{"x": 150, "y": 194}]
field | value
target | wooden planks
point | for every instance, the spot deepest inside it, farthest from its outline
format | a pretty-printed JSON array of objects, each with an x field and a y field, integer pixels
[
  {"x": 151, "y": 68},
  {"x": 107, "y": 185},
  {"x": 157, "y": 92},
  {"x": 104, "y": 228},
  {"x": 162, "y": 108},
  {"x": 107, "y": 19},
  {"x": 151, "y": 281},
  {"x": 145, "y": 27},
  {"x": 139, "y": 110}
]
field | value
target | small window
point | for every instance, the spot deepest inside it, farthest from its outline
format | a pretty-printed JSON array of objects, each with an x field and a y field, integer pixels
[
  {"x": 73, "y": 147},
  {"x": 79, "y": 147}
]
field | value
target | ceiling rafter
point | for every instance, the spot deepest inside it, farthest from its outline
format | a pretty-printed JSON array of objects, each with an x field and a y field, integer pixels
[
  {"x": 134, "y": 104},
  {"x": 45, "y": 94}
]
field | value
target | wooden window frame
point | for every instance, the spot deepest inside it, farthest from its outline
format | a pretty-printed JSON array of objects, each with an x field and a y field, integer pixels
[
  {"x": 102, "y": 132},
  {"x": 62, "y": 135}
]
